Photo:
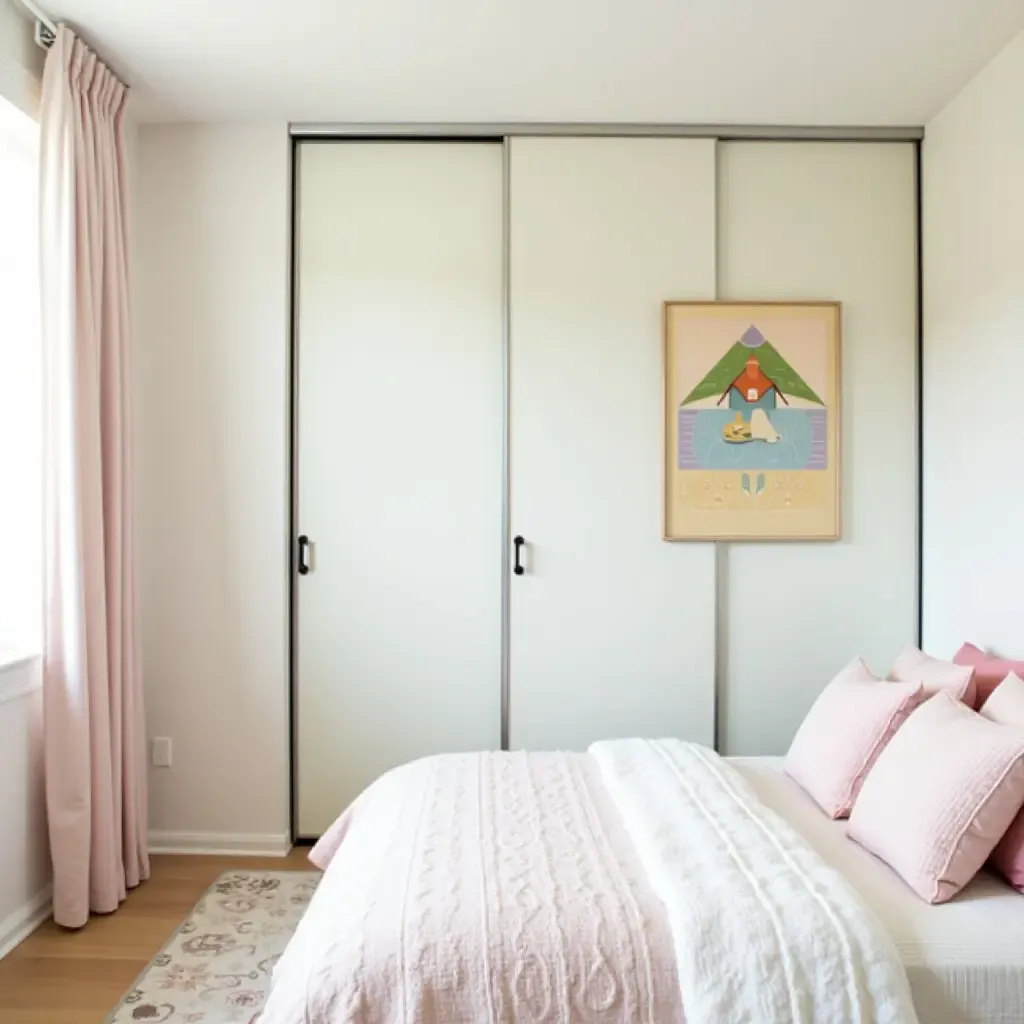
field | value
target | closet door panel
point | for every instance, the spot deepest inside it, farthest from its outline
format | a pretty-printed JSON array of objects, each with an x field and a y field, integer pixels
[
  {"x": 612, "y": 628},
  {"x": 827, "y": 221},
  {"x": 399, "y": 363}
]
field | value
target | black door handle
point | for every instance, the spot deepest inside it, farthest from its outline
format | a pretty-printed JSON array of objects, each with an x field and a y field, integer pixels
[
  {"x": 303, "y": 547},
  {"x": 517, "y": 568}
]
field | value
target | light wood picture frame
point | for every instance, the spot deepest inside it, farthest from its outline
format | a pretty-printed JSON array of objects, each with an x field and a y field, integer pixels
[{"x": 752, "y": 421}]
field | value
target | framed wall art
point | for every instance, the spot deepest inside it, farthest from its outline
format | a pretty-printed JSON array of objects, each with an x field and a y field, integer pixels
[{"x": 752, "y": 421}]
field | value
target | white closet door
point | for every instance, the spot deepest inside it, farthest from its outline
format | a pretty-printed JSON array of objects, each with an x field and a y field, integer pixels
[
  {"x": 827, "y": 221},
  {"x": 399, "y": 460},
  {"x": 612, "y": 629}
]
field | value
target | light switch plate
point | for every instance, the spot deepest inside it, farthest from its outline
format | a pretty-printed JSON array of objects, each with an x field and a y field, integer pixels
[{"x": 162, "y": 751}]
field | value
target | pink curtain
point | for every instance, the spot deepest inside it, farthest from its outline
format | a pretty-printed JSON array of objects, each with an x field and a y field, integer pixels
[{"x": 95, "y": 734}]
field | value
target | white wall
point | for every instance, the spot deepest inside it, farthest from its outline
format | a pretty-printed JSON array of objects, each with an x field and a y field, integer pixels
[
  {"x": 211, "y": 402},
  {"x": 24, "y": 853},
  {"x": 974, "y": 363}
]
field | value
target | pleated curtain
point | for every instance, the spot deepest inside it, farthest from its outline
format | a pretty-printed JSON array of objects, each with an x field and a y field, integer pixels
[{"x": 94, "y": 729}]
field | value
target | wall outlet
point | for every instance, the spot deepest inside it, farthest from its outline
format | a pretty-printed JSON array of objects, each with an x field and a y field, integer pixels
[{"x": 162, "y": 751}]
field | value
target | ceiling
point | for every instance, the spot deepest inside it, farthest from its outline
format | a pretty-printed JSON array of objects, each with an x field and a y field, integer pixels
[{"x": 775, "y": 62}]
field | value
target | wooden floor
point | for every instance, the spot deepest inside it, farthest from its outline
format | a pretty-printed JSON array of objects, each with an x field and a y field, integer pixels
[{"x": 61, "y": 977}]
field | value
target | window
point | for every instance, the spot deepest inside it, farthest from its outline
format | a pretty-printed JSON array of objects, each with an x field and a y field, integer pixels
[{"x": 21, "y": 512}]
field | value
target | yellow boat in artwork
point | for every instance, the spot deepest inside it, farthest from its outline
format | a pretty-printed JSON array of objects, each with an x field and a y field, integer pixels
[
  {"x": 758, "y": 429},
  {"x": 737, "y": 432}
]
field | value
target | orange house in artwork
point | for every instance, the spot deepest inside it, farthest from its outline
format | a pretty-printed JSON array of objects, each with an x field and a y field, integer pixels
[{"x": 753, "y": 387}]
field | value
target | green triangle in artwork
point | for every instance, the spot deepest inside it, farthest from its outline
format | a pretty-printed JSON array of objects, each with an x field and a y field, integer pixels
[
  {"x": 721, "y": 375},
  {"x": 717, "y": 380}
]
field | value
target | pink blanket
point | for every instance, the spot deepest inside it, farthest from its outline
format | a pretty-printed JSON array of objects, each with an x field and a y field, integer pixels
[{"x": 478, "y": 888}]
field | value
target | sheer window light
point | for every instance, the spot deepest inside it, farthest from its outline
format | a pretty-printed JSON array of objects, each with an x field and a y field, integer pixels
[{"x": 20, "y": 388}]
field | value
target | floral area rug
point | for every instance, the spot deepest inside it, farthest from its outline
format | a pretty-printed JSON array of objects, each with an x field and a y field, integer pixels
[{"x": 216, "y": 968}]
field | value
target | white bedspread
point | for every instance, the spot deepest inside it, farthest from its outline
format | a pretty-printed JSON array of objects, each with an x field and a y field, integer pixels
[{"x": 746, "y": 893}]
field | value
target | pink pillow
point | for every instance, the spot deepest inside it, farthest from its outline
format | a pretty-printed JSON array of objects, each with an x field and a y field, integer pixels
[
  {"x": 1006, "y": 706},
  {"x": 914, "y": 666},
  {"x": 940, "y": 796},
  {"x": 846, "y": 729},
  {"x": 989, "y": 671},
  {"x": 1008, "y": 856}
]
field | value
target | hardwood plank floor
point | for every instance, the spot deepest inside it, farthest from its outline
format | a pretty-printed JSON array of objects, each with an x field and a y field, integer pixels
[{"x": 62, "y": 977}]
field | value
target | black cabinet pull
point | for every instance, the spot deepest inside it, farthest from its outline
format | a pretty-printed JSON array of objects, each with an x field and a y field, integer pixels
[
  {"x": 518, "y": 567},
  {"x": 303, "y": 547}
]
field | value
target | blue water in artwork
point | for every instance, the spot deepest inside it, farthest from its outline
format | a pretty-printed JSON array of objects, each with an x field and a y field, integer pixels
[{"x": 802, "y": 442}]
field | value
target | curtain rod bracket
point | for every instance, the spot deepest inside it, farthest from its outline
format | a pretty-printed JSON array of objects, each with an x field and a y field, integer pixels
[
  {"x": 45, "y": 36},
  {"x": 46, "y": 29}
]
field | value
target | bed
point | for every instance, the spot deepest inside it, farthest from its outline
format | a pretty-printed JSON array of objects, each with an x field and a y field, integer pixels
[{"x": 637, "y": 882}]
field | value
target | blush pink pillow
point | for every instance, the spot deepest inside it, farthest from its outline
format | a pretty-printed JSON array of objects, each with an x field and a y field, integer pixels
[
  {"x": 846, "y": 729},
  {"x": 1008, "y": 856},
  {"x": 1006, "y": 706},
  {"x": 914, "y": 666},
  {"x": 989, "y": 671},
  {"x": 941, "y": 795}
]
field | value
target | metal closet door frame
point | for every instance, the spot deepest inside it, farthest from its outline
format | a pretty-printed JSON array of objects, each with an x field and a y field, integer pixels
[{"x": 503, "y": 133}]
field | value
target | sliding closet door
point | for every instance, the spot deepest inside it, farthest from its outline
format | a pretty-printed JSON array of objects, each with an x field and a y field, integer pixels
[
  {"x": 399, "y": 363},
  {"x": 612, "y": 629},
  {"x": 827, "y": 221}
]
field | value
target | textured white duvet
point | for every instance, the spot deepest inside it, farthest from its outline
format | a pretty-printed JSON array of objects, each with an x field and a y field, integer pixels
[
  {"x": 764, "y": 929},
  {"x": 624, "y": 885}
]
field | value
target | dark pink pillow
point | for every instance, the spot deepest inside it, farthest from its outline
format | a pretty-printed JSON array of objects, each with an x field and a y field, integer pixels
[{"x": 989, "y": 671}]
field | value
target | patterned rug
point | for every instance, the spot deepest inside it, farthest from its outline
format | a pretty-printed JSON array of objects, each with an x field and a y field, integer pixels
[{"x": 216, "y": 967}]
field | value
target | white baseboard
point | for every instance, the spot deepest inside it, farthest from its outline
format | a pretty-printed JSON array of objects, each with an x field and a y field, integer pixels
[
  {"x": 241, "y": 844},
  {"x": 17, "y": 927},
  {"x": 21, "y": 923}
]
